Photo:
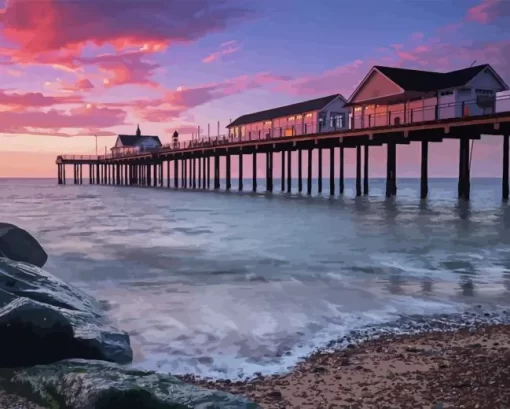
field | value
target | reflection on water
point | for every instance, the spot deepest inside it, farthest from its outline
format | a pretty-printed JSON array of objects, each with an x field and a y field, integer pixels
[{"x": 208, "y": 282}]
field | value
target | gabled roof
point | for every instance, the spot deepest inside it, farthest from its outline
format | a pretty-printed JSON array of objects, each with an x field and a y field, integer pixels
[
  {"x": 416, "y": 80},
  {"x": 134, "y": 140},
  {"x": 287, "y": 110}
]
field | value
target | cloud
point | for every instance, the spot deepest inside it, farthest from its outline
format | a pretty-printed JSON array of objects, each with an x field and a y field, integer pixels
[
  {"x": 227, "y": 48},
  {"x": 488, "y": 11},
  {"x": 34, "y": 99},
  {"x": 174, "y": 103},
  {"x": 51, "y": 25},
  {"x": 52, "y": 121}
]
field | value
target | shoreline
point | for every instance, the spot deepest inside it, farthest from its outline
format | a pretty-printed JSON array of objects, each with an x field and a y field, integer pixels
[{"x": 437, "y": 363}]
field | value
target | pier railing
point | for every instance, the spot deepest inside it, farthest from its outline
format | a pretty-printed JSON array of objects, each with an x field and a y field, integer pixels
[{"x": 360, "y": 118}]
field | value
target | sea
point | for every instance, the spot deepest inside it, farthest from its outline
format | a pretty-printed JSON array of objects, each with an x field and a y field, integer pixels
[{"x": 227, "y": 285}]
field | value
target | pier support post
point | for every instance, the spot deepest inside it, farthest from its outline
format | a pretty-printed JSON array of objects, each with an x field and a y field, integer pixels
[
  {"x": 126, "y": 174},
  {"x": 289, "y": 171},
  {"x": 216, "y": 172},
  {"x": 81, "y": 174},
  {"x": 332, "y": 171},
  {"x": 149, "y": 174},
  {"x": 358, "y": 170},
  {"x": 194, "y": 172},
  {"x": 300, "y": 170},
  {"x": 59, "y": 174},
  {"x": 200, "y": 176},
  {"x": 176, "y": 173},
  {"x": 391, "y": 164},
  {"x": 227, "y": 159},
  {"x": 155, "y": 174},
  {"x": 341, "y": 170},
  {"x": 240, "y": 172},
  {"x": 168, "y": 173},
  {"x": 283, "y": 171},
  {"x": 208, "y": 172},
  {"x": 269, "y": 171},
  {"x": 183, "y": 168},
  {"x": 204, "y": 178},
  {"x": 309, "y": 173},
  {"x": 464, "y": 183},
  {"x": 424, "y": 180},
  {"x": 365, "y": 170},
  {"x": 319, "y": 164},
  {"x": 505, "y": 167},
  {"x": 98, "y": 176},
  {"x": 63, "y": 174},
  {"x": 254, "y": 173}
]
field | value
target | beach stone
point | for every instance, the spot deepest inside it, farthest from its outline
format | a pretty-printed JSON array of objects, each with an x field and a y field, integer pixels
[
  {"x": 82, "y": 384},
  {"x": 43, "y": 320},
  {"x": 17, "y": 244}
]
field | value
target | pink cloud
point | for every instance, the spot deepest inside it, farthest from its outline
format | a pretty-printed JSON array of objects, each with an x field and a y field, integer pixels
[
  {"x": 488, "y": 11},
  {"x": 174, "y": 103},
  {"x": 52, "y": 25},
  {"x": 81, "y": 85},
  {"x": 228, "y": 48},
  {"x": 34, "y": 99},
  {"x": 87, "y": 117}
]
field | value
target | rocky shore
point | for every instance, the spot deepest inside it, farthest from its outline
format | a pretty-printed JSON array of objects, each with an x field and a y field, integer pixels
[
  {"x": 59, "y": 351},
  {"x": 468, "y": 367}
]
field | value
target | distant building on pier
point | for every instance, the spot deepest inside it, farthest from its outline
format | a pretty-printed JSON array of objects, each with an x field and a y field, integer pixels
[
  {"x": 392, "y": 96},
  {"x": 308, "y": 117},
  {"x": 135, "y": 143}
]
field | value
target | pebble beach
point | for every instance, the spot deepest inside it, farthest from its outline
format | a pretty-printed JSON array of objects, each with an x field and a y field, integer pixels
[{"x": 465, "y": 368}]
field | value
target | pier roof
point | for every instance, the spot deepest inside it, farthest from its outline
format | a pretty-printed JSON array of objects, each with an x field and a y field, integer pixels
[
  {"x": 287, "y": 110},
  {"x": 134, "y": 140}
]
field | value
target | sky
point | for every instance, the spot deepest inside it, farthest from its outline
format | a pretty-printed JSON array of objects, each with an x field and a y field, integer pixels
[{"x": 72, "y": 69}]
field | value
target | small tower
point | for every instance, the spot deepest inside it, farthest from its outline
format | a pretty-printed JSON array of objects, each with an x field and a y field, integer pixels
[{"x": 138, "y": 132}]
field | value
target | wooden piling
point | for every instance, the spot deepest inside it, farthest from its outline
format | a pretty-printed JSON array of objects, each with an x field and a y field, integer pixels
[
  {"x": 424, "y": 182},
  {"x": 505, "y": 167}
]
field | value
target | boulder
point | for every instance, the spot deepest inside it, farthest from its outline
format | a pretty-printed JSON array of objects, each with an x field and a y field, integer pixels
[
  {"x": 80, "y": 384},
  {"x": 43, "y": 320},
  {"x": 17, "y": 244}
]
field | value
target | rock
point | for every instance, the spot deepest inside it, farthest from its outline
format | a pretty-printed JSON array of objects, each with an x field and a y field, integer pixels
[
  {"x": 43, "y": 320},
  {"x": 80, "y": 384},
  {"x": 276, "y": 395},
  {"x": 19, "y": 245}
]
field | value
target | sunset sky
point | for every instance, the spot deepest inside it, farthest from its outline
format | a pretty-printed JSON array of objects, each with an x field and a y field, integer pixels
[{"x": 70, "y": 69}]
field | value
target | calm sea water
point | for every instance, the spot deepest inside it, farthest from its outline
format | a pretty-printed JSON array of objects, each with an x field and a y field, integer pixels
[{"x": 220, "y": 284}]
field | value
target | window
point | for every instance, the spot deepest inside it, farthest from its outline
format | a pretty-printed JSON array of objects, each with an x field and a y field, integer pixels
[
  {"x": 299, "y": 116},
  {"x": 464, "y": 91},
  {"x": 357, "y": 109},
  {"x": 337, "y": 120},
  {"x": 484, "y": 92},
  {"x": 291, "y": 118},
  {"x": 309, "y": 115},
  {"x": 267, "y": 123},
  {"x": 444, "y": 93}
]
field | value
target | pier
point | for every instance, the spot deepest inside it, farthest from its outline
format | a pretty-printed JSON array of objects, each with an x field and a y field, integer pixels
[
  {"x": 189, "y": 166},
  {"x": 402, "y": 116}
]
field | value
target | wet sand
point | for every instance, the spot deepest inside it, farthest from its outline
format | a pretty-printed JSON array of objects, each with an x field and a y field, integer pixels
[{"x": 466, "y": 368}]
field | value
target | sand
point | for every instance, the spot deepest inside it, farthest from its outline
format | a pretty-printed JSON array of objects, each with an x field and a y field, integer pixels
[{"x": 461, "y": 369}]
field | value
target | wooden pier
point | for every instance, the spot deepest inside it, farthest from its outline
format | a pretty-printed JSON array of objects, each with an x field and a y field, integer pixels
[{"x": 188, "y": 166}]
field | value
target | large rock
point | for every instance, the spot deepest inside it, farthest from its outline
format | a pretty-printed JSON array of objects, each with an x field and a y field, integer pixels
[
  {"x": 79, "y": 384},
  {"x": 43, "y": 320},
  {"x": 17, "y": 244}
]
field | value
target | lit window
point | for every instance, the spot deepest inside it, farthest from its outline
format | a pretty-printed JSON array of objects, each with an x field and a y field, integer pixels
[
  {"x": 291, "y": 118},
  {"x": 309, "y": 115},
  {"x": 299, "y": 116},
  {"x": 357, "y": 109}
]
